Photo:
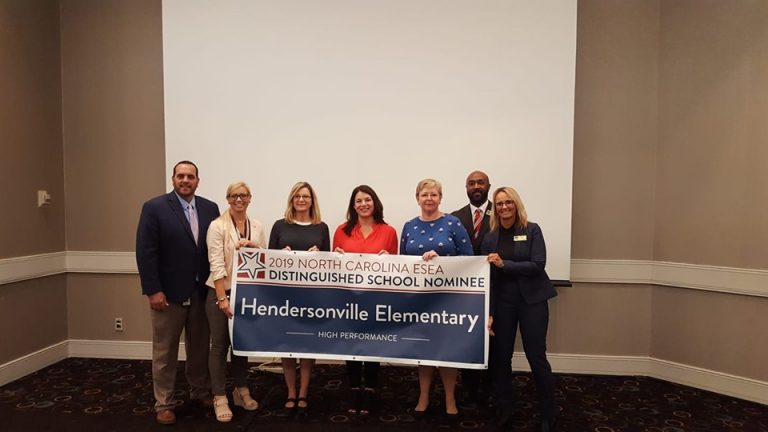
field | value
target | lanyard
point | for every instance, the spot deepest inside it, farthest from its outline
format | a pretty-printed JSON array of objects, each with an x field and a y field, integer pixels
[{"x": 247, "y": 234}]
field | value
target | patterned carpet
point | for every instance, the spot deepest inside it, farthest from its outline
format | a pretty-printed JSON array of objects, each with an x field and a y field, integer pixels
[{"x": 116, "y": 395}]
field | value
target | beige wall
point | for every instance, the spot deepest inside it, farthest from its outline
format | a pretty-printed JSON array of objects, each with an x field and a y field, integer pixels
[
  {"x": 40, "y": 306},
  {"x": 711, "y": 183},
  {"x": 712, "y": 186},
  {"x": 635, "y": 138},
  {"x": 602, "y": 319},
  {"x": 615, "y": 129},
  {"x": 30, "y": 124},
  {"x": 112, "y": 78},
  {"x": 716, "y": 331},
  {"x": 92, "y": 316}
]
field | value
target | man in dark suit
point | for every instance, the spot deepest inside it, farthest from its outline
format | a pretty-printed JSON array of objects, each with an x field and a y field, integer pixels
[
  {"x": 475, "y": 217},
  {"x": 172, "y": 256}
]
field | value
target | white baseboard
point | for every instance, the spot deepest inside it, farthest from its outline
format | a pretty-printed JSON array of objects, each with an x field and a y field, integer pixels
[
  {"x": 705, "y": 379},
  {"x": 718, "y": 382},
  {"x": 35, "y": 361},
  {"x": 129, "y": 350},
  {"x": 590, "y": 364}
]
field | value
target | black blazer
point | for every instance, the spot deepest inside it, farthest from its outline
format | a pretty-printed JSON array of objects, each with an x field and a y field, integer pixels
[
  {"x": 530, "y": 258},
  {"x": 166, "y": 253},
  {"x": 466, "y": 217}
]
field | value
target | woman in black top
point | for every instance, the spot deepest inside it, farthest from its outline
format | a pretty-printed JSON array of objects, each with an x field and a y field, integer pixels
[{"x": 300, "y": 229}]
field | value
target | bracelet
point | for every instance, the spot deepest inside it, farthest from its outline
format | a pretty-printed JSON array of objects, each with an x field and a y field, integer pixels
[{"x": 221, "y": 299}]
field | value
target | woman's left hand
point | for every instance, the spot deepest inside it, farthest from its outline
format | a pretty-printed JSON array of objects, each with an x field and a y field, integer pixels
[
  {"x": 496, "y": 260},
  {"x": 490, "y": 326},
  {"x": 383, "y": 252},
  {"x": 429, "y": 255},
  {"x": 225, "y": 309},
  {"x": 242, "y": 243}
]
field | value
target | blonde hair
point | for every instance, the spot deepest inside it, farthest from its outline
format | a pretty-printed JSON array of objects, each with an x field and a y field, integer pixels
[
  {"x": 314, "y": 209},
  {"x": 236, "y": 185},
  {"x": 521, "y": 218},
  {"x": 429, "y": 183}
]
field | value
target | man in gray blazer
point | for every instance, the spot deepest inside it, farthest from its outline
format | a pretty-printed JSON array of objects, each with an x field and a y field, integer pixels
[{"x": 172, "y": 257}]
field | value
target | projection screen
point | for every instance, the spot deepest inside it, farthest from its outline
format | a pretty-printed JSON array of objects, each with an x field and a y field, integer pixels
[{"x": 385, "y": 93}]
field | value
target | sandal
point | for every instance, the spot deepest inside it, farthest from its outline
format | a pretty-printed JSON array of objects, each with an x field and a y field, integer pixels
[
  {"x": 242, "y": 397},
  {"x": 301, "y": 410},
  {"x": 291, "y": 401},
  {"x": 221, "y": 409}
]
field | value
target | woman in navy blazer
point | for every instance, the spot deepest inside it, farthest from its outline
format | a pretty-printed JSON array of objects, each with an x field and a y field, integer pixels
[{"x": 520, "y": 289}]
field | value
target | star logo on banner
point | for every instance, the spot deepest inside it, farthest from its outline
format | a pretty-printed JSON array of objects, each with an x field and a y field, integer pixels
[{"x": 251, "y": 263}]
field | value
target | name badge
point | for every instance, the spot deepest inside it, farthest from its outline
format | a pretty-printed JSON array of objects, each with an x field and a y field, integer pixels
[
  {"x": 520, "y": 238},
  {"x": 187, "y": 302}
]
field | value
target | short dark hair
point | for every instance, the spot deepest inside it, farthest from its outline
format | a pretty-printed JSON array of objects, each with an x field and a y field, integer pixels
[
  {"x": 352, "y": 218},
  {"x": 185, "y": 162}
]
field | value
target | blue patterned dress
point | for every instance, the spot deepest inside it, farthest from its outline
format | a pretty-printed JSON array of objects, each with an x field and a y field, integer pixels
[{"x": 444, "y": 235}]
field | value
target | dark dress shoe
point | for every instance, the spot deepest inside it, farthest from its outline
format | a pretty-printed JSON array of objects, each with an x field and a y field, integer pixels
[
  {"x": 166, "y": 417},
  {"x": 357, "y": 401},
  {"x": 419, "y": 415},
  {"x": 477, "y": 398},
  {"x": 367, "y": 399},
  {"x": 452, "y": 418},
  {"x": 504, "y": 419},
  {"x": 548, "y": 425}
]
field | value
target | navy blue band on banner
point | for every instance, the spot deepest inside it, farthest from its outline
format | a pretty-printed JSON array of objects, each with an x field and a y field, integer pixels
[{"x": 389, "y": 308}]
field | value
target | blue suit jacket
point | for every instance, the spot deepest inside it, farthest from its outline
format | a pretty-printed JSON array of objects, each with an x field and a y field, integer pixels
[
  {"x": 166, "y": 253},
  {"x": 527, "y": 266}
]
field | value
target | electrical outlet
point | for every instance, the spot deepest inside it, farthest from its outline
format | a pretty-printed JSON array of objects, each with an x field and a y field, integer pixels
[
  {"x": 43, "y": 198},
  {"x": 119, "y": 324}
]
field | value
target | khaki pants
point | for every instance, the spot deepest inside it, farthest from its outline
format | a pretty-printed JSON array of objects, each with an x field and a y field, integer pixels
[{"x": 166, "y": 332}]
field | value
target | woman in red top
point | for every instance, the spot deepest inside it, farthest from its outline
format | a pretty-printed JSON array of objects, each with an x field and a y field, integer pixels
[{"x": 364, "y": 232}]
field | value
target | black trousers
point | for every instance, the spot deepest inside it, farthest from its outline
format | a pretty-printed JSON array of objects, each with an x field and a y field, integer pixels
[
  {"x": 475, "y": 382},
  {"x": 357, "y": 369},
  {"x": 533, "y": 320}
]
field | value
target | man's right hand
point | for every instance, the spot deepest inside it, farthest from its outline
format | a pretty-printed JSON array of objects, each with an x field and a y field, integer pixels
[{"x": 157, "y": 301}]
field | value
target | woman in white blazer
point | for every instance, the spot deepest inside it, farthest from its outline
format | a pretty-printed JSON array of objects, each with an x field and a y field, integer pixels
[{"x": 229, "y": 232}]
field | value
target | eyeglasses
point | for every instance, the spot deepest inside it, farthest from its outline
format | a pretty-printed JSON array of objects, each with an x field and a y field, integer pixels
[
  {"x": 242, "y": 197},
  {"x": 508, "y": 203},
  {"x": 302, "y": 197}
]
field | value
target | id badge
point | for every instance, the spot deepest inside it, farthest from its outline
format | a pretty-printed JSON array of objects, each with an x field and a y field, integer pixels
[{"x": 187, "y": 302}]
